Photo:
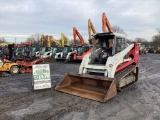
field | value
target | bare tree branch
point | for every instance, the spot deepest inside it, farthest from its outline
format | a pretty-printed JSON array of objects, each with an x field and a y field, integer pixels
[
  {"x": 35, "y": 39},
  {"x": 156, "y": 39},
  {"x": 118, "y": 30},
  {"x": 2, "y": 40}
]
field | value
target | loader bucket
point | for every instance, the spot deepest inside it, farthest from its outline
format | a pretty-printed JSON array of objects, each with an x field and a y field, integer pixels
[{"x": 88, "y": 86}]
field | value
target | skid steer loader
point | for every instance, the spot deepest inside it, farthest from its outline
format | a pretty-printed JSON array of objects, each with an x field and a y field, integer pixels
[{"x": 104, "y": 71}]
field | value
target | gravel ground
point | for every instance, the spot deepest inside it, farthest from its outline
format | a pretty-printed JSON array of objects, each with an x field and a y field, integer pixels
[{"x": 140, "y": 101}]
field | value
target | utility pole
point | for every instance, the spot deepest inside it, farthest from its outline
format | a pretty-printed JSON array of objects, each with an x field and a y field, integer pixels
[{"x": 15, "y": 40}]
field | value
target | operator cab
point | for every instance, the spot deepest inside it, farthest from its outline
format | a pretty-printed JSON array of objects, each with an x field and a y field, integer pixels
[
  {"x": 35, "y": 51},
  {"x": 56, "y": 50},
  {"x": 68, "y": 49},
  {"x": 45, "y": 49},
  {"x": 109, "y": 45}
]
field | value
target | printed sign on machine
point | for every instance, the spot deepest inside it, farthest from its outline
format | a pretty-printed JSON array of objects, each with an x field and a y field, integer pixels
[{"x": 41, "y": 76}]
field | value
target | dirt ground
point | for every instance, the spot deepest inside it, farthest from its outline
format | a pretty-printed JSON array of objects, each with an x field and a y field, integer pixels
[{"x": 140, "y": 101}]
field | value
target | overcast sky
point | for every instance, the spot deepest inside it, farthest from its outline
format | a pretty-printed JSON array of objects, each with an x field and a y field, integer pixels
[{"x": 21, "y": 18}]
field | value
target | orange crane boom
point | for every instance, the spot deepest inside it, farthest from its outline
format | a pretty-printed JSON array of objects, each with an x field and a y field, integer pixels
[
  {"x": 75, "y": 34},
  {"x": 105, "y": 23}
]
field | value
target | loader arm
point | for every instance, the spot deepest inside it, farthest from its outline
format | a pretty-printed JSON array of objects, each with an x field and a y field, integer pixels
[
  {"x": 75, "y": 34},
  {"x": 116, "y": 60}
]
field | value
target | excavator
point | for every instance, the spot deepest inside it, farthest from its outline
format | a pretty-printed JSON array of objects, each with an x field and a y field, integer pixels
[
  {"x": 75, "y": 34},
  {"x": 64, "y": 55},
  {"x": 108, "y": 69},
  {"x": 91, "y": 28},
  {"x": 46, "y": 49},
  {"x": 50, "y": 52},
  {"x": 81, "y": 50},
  {"x": 64, "y": 40},
  {"x": 46, "y": 40},
  {"x": 75, "y": 52}
]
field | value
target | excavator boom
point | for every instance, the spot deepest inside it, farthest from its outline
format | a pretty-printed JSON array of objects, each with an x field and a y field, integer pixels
[
  {"x": 105, "y": 23},
  {"x": 76, "y": 33},
  {"x": 48, "y": 39},
  {"x": 56, "y": 41},
  {"x": 91, "y": 28},
  {"x": 65, "y": 40},
  {"x": 45, "y": 39}
]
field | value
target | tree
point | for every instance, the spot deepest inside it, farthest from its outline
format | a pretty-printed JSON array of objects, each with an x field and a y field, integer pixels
[
  {"x": 128, "y": 40},
  {"x": 2, "y": 40},
  {"x": 72, "y": 42},
  {"x": 141, "y": 40},
  {"x": 78, "y": 42},
  {"x": 118, "y": 30},
  {"x": 156, "y": 39},
  {"x": 35, "y": 39}
]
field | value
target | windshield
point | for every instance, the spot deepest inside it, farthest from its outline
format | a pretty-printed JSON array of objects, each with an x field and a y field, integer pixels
[
  {"x": 75, "y": 48},
  {"x": 48, "y": 49},
  {"x": 35, "y": 49},
  {"x": 80, "y": 51},
  {"x": 23, "y": 49},
  {"x": 16, "y": 49},
  {"x": 43, "y": 50},
  {"x": 120, "y": 44},
  {"x": 65, "y": 50},
  {"x": 54, "y": 51},
  {"x": 59, "y": 49}
]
